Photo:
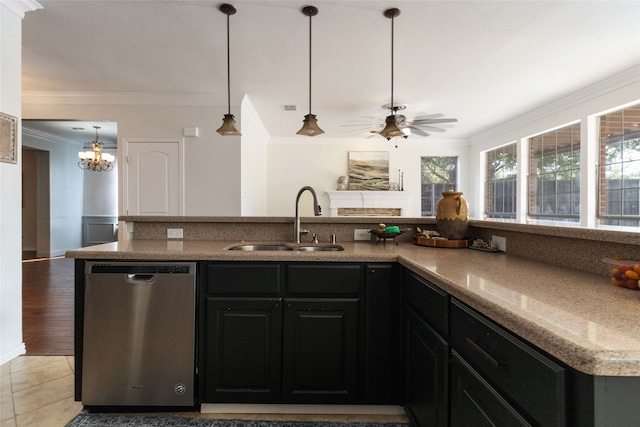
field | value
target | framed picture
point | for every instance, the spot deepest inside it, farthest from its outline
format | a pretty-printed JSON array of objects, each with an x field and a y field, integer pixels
[
  {"x": 8, "y": 138},
  {"x": 369, "y": 170}
]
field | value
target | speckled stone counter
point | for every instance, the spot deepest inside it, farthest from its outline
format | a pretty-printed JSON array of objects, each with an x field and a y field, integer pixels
[{"x": 576, "y": 316}]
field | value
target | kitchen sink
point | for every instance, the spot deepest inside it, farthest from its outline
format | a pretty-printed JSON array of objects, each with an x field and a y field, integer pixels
[
  {"x": 315, "y": 248},
  {"x": 261, "y": 247},
  {"x": 285, "y": 247}
]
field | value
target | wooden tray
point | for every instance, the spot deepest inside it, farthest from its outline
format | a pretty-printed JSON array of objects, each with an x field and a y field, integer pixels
[{"x": 441, "y": 243}]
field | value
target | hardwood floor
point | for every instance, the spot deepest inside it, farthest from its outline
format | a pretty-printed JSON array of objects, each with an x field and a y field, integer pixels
[{"x": 47, "y": 306}]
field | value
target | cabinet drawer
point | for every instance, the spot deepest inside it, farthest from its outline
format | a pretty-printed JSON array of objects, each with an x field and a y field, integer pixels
[
  {"x": 319, "y": 279},
  {"x": 244, "y": 278},
  {"x": 528, "y": 379},
  {"x": 430, "y": 302}
]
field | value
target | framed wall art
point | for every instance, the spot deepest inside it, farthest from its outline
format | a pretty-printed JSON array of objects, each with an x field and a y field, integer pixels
[
  {"x": 8, "y": 136},
  {"x": 369, "y": 170}
]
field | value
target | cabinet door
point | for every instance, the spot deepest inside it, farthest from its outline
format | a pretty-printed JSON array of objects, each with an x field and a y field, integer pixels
[
  {"x": 426, "y": 372},
  {"x": 320, "y": 350},
  {"x": 474, "y": 403},
  {"x": 382, "y": 379},
  {"x": 243, "y": 350}
]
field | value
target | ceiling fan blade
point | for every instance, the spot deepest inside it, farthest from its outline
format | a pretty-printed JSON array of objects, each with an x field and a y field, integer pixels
[
  {"x": 418, "y": 131},
  {"x": 433, "y": 121},
  {"x": 427, "y": 128},
  {"x": 429, "y": 116}
]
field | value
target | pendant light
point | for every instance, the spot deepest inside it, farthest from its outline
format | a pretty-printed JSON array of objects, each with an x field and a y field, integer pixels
[
  {"x": 391, "y": 128},
  {"x": 228, "y": 127},
  {"x": 310, "y": 123}
]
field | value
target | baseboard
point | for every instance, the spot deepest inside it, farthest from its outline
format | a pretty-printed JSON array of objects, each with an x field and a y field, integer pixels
[
  {"x": 241, "y": 408},
  {"x": 7, "y": 356}
]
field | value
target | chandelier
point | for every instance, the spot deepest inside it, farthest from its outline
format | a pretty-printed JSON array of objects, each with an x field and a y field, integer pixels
[{"x": 96, "y": 160}]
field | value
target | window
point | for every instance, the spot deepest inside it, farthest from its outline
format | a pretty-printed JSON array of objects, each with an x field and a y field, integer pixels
[
  {"x": 554, "y": 175},
  {"x": 619, "y": 168},
  {"x": 438, "y": 174},
  {"x": 500, "y": 184}
]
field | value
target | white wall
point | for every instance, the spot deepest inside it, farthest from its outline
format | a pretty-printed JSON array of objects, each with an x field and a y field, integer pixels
[
  {"x": 212, "y": 162},
  {"x": 253, "y": 173},
  {"x": 62, "y": 212},
  {"x": 11, "y": 344},
  {"x": 319, "y": 161}
]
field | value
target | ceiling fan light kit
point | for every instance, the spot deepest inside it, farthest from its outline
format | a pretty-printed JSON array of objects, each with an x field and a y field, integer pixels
[
  {"x": 310, "y": 124},
  {"x": 228, "y": 127}
]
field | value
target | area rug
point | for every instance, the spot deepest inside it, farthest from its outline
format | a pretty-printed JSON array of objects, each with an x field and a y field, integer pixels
[{"x": 126, "y": 420}]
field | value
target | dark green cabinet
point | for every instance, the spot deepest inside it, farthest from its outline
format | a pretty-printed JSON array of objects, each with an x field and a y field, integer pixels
[
  {"x": 474, "y": 403},
  {"x": 320, "y": 350},
  {"x": 426, "y": 352},
  {"x": 243, "y": 350},
  {"x": 529, "y": 380},
  {"x": 280, "y": 333}
]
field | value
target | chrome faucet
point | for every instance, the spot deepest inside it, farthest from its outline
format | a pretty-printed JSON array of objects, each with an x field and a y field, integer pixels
[{"x": 317, "y": 211}]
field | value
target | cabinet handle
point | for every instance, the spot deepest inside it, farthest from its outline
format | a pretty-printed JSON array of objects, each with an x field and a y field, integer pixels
[{"x": 482, "y": 353}]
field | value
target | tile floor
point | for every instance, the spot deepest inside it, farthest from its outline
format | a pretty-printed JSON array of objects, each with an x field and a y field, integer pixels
[{"x": 37, "y": 391}]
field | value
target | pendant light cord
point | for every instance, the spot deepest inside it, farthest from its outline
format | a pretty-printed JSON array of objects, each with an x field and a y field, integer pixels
[
  {"x": 310, "y": 64},
  {"x": 228, "y": 68},
  {"x": 393, "y": 111}
]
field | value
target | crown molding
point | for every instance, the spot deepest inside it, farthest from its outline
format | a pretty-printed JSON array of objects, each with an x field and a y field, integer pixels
[
  {"x": 20, "y": 7},
  {"x": 121, "y": 98},
  {"x": 46, "y": 136},
  {"x": 618, "y": 81}
]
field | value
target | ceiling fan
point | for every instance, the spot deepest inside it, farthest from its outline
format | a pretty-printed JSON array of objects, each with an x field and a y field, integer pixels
[
  {"x": 422, "y": 125},
  {"x": 397, "y": 124}
]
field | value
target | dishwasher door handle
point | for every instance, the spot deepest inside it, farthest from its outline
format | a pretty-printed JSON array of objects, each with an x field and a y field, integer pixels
[{"x": 140, "y": 278}]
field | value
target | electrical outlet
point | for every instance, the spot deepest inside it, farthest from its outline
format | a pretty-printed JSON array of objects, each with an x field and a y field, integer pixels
[
  {"x": 500, "y": 243},
  {"x": 361, "y": 234},
  {"x": 174, "y": 233}
]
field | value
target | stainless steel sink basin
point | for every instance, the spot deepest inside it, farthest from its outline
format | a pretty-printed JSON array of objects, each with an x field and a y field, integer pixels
[
  {"x": 284, "y": 247},
  {"x": 261, "y": 247},
  {"x": 315, "y": 248}
]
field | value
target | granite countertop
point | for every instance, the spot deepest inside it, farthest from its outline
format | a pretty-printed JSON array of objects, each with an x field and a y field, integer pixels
[{"x": 578, "y": 317}]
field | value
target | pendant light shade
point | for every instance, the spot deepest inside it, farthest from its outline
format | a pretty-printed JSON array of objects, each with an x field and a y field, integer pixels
[
  {"x": 391, "y": 128},
  {"x": 228, "y": 127},
  {"x": 310, "y": 124}
]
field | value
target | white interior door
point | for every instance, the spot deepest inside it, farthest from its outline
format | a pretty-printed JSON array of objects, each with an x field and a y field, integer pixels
[{"x": 153, "y": 177}]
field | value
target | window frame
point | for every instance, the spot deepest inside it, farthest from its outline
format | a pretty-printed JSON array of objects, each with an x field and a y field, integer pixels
[
  {"x": 489, "y": 183},
  {"x": 434, "y": 193},
  {"x": 605, "y": 142},
  {"x": 543, "y": 165}
]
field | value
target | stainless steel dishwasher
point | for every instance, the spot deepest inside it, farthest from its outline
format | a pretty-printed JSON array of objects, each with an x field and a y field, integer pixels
[{"x": 139, "y": 334}]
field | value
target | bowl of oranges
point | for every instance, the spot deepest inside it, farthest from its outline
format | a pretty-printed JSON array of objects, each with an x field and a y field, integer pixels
[{"x": 624, "y": 273}]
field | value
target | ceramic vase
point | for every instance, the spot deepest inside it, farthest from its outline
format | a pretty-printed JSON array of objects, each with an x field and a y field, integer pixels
[{"x": 452, "y": 215}]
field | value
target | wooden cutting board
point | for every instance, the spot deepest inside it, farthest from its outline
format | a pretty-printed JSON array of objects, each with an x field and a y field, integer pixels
[{"x": 440, "y": 243}]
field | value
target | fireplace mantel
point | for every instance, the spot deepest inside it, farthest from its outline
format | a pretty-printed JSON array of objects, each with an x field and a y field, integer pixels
[{"x": 369, "y": 200}]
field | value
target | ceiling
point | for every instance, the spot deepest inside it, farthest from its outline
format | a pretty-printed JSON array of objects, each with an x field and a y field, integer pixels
[{"x": 482, "y": 62}]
